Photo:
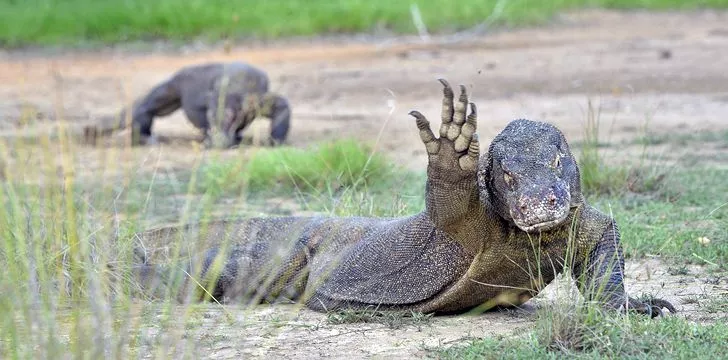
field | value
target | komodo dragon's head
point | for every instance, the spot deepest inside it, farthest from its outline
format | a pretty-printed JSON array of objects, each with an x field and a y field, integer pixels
[
  {"x": 530, "y": 176},
  {"x": 241, "y": 111}
]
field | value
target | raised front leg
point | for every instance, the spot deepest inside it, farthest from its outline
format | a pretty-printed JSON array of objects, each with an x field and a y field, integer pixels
[
  {"x": 601, "y": 278},
  {"x": 451, "y": 189}
]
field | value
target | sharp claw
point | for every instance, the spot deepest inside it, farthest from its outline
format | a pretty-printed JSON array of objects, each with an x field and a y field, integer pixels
[
  {"x": 416, "y": 114},
  {"x": 656, "y": 312},
  {"x": 473, "y": 109},
  {"x": 657, "y": 304},
  {"x": 447, "y": 89}
]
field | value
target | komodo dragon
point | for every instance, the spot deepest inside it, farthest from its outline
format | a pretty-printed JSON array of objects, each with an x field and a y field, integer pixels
[
  {"x": 495, "y": 230},
  {"x": 227, "y": 95}
]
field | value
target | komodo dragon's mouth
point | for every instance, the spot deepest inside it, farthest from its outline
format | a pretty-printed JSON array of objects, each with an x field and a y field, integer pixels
[{"x": 544, "y": 225}]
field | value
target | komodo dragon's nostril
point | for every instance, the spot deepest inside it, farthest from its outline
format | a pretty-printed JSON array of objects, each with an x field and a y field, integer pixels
[
  {"x": 552, "y": 199},
  {"x": 522, "y": 206}
]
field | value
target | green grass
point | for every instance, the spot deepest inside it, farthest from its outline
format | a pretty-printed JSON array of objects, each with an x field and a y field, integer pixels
[
  {"x": 599, "y": 177},
  {"x": 565, "y": 331},
  {"x": 54, "y": 22},
  {"x": 343, "y": 177},
  {"x": 340, "y": 164},
  {"x": 660, "y": 209},
  {"x": 672, "y": 225}
]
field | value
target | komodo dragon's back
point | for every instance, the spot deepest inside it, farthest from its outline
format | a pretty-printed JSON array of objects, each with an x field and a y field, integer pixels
[
  {"x": 495, "y": 230},
  {"x": 238, "y": 78}
]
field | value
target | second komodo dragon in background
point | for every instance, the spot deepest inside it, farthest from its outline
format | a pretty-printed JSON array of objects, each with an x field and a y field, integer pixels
[
  {"x": 495, "y": 230},
  {"x": 220, "y": 99}
]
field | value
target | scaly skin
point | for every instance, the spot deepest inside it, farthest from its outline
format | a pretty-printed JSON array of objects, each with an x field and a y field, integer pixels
[
  {"x": 495, "y": 230},
  {"x": 219, "y": 99}
]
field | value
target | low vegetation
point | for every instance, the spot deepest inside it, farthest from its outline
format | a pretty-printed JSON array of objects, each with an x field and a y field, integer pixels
[
  {"x": 68, "y": 22},
  {"x": 588, "y": 333},
  {"x": 340, "y": 164},
  {"x": 65, "y": 242}
]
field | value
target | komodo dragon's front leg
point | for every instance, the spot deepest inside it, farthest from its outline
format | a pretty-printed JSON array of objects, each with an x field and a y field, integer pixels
[
  {"x": 601, "y": 275},
  {"x": 451, "y": 188}
]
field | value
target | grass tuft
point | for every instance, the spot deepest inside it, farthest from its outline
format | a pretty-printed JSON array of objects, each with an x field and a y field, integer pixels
[
  {"x": 601, "y": 178},
  {"x": 340, "y": 164},
  {"x": 588, "y": 333}
]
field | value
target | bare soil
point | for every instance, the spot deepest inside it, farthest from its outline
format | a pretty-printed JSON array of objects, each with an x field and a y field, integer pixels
[
  {"x": 662, "y": 73},
  {"x": 292, "y": 332}
]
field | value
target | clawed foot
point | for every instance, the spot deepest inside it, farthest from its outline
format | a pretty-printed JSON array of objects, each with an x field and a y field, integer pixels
[
  {"x": 652, "y": 306},
  {"x": 456, "y": 151}
]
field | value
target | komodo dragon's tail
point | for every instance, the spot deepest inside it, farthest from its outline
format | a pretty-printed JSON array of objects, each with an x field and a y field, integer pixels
[
  {"x": 75, "y": 127},
  {"x": 105, "y": 126},
  {"x": 184, "y": 282},
  {"x": 160, "y": 281}
]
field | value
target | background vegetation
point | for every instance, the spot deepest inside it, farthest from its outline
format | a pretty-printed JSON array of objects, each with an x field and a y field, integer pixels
[{"x": 55, "y": 22}]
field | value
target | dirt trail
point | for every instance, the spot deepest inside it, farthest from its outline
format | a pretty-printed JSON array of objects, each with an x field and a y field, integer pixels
[
  {"x": 665, "y": 71},
  {"x": 637, "y": 67}
]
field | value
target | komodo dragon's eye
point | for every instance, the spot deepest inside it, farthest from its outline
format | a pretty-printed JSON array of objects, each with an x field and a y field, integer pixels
[
  {"x": 557, "y": 161},
  {"x": 508, "y": 179}
]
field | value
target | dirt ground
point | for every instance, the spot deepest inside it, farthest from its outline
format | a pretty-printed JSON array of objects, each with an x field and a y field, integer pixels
[
  {"x": 660, "y": 72},
  {"x": 290, "y": 332}
]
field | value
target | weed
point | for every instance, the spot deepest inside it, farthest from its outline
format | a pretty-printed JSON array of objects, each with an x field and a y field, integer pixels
[
  {"x": 682, "y": 139},
  {"x": 585, "y": 332},
  {"x": 718, "y": 304},
  {"x": 601, "y": 178},
  {"x": 331, "y": 166}
]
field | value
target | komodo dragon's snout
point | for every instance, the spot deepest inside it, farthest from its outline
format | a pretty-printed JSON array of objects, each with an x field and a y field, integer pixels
[{"x": 538, "y": 199}]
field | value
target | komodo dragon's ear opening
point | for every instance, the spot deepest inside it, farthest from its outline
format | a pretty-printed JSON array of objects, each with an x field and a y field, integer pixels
[
  {"x": 483, "y": 174},
  {"x": 570, "y": 170}
]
